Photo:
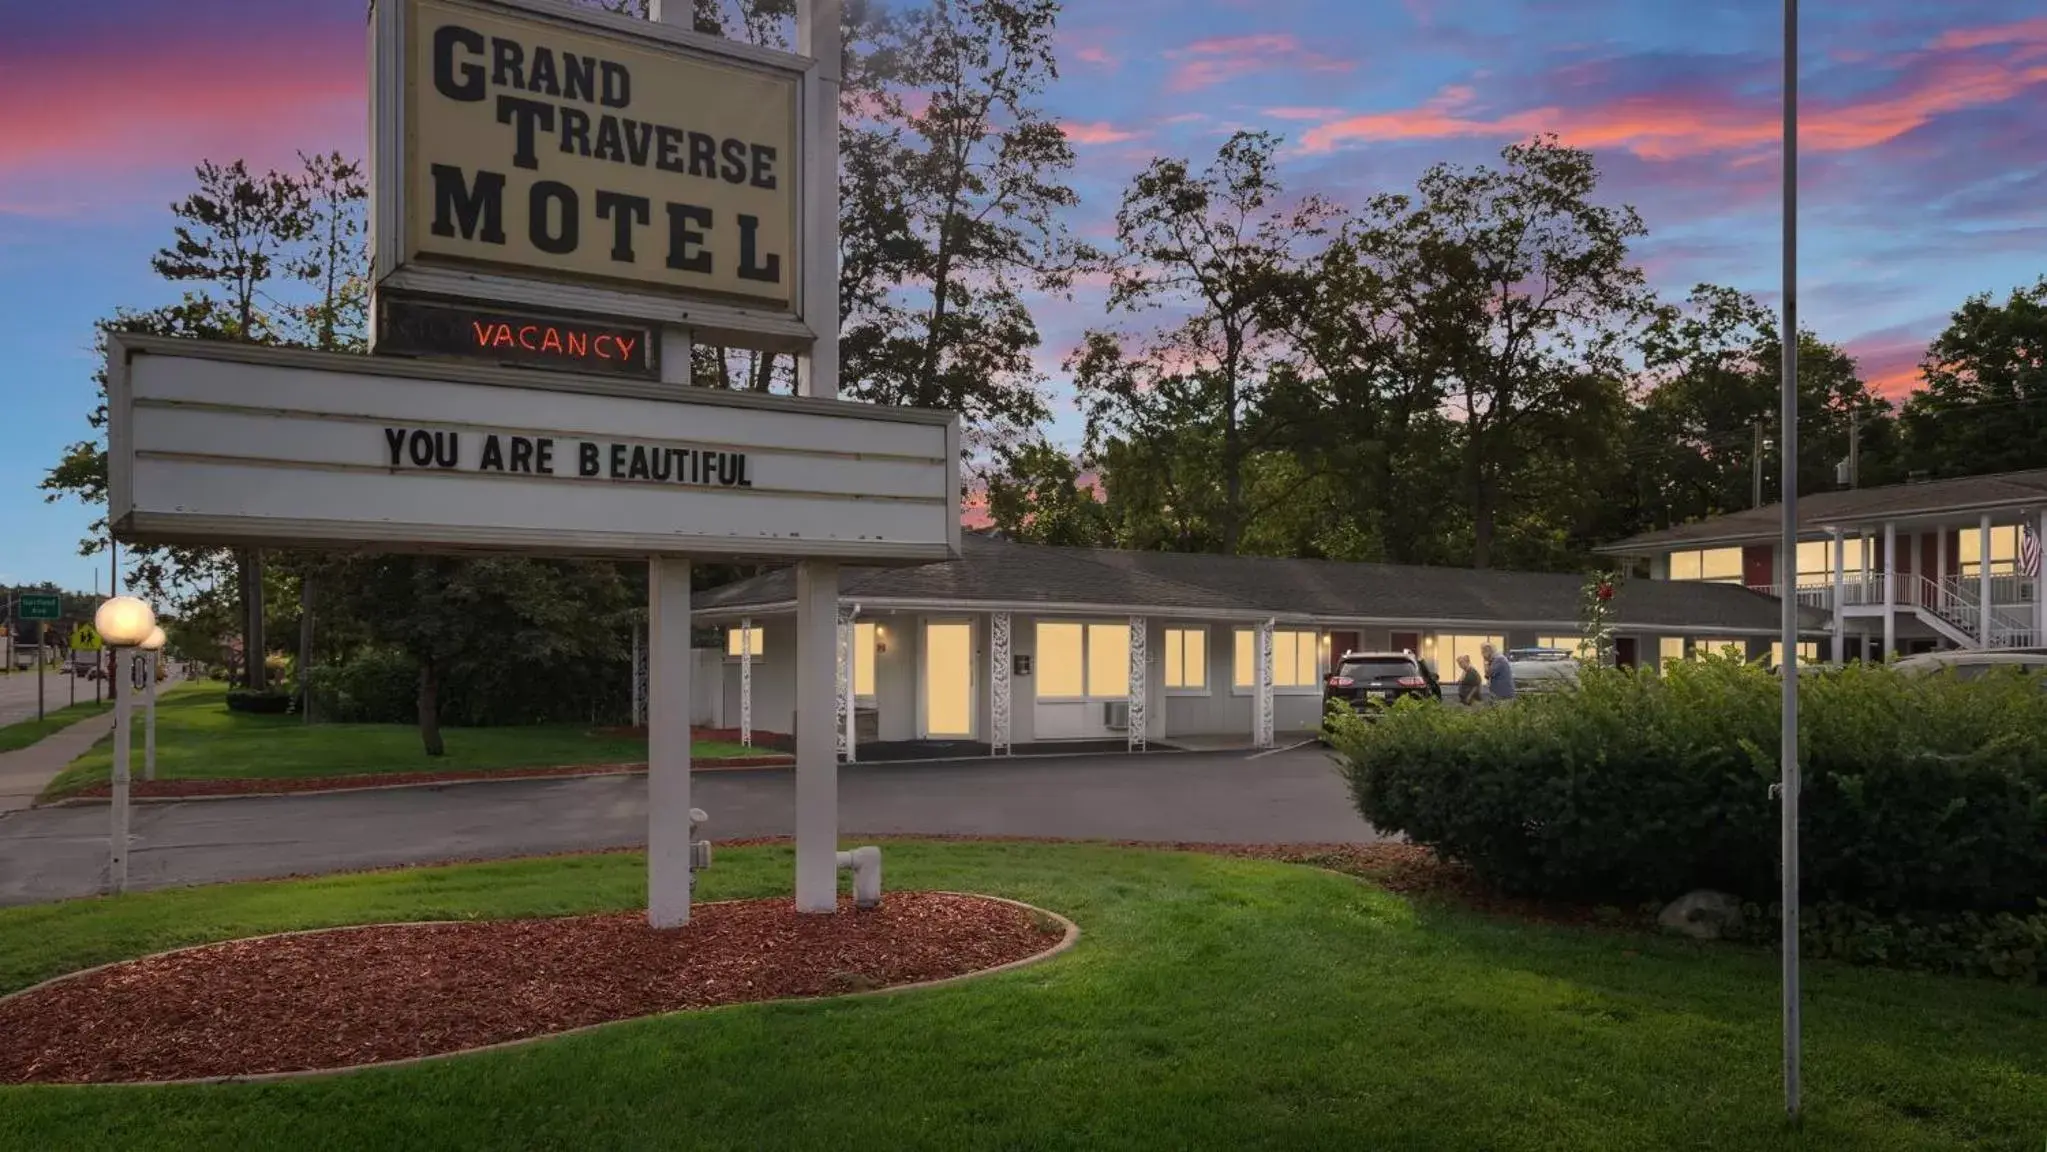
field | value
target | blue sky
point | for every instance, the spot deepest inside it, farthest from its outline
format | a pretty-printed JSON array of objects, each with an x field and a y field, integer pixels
[{"x": 1924, "y": 172}]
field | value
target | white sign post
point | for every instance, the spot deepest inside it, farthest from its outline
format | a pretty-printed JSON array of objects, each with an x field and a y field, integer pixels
[{"x": 552, "y": 160}]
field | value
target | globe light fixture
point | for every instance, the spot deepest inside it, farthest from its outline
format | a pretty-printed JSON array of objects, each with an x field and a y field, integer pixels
[
  {"x": 155, "y": 640},
  {"x": 124, "y": 621}
]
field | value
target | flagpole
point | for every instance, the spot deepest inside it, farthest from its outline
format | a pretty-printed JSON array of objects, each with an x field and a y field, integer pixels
[{"x": 1787, "y": 553}]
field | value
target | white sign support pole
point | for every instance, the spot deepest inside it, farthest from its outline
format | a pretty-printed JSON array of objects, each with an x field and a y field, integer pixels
[
  {"x": 817, "y": 713},
  {"x": 817, "y": 582},
  {"x": 667, "y": 701},
  {"x": 668, "y": 659}
]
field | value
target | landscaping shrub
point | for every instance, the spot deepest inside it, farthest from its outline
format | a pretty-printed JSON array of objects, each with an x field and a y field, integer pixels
[
  {"x": 381, "y": 686},
  {"x": 1922, "y": 794},
  {"x": 1999, "y": 945},
  {"x": 267, "y": 701},
  {"x": 373, "y": 686}
]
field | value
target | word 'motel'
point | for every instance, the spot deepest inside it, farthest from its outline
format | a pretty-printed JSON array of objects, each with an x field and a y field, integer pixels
[
  {"x": 555, "y": 215},
  {"x": 534, "y": 456}
]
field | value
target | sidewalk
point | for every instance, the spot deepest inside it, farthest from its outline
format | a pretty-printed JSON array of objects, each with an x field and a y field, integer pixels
[{"x": 24, "y": 773}]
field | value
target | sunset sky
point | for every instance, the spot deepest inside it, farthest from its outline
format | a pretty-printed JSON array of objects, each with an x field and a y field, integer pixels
[{"x": 1924, "y": 167}]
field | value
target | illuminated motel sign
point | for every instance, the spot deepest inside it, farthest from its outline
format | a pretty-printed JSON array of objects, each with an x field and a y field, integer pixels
[{"x": 410, "y": 327}]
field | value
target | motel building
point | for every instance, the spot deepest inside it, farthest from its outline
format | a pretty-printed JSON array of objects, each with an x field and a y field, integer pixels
[
  {"x": 1017, "y": 645},
  {"x": 1897, "y": 569}
]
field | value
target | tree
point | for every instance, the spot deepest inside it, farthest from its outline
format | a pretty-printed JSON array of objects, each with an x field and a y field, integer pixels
[
  {"x": 1362, "y": 398},
  {"x": 232, "y": 233},
  {"x": 1714, "y": 371},
  {"x": 488, "y": 623},
  {"x": 975, "y": 180},
  {"x": 1039, "y": 494},
  {"x": 1984, "y": 405},
  {"x": 1218, "y": 245},
  {"x": 335, "y": 261},
  {"x": 1520, "y": 292}
]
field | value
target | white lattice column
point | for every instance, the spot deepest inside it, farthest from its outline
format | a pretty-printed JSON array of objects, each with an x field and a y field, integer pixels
[
  {"x": 746, "y": 682},
  {"x": 1138, "y": 644},
  {"x": 1264, "y": 736},
  {"x": 845, "y": 697},
  {"x": 998, "y": 683}
]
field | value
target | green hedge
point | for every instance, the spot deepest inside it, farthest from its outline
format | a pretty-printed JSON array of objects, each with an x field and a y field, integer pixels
[
  {"x": 1922, "y": 794},
  {"x": 268, "y": 702}
]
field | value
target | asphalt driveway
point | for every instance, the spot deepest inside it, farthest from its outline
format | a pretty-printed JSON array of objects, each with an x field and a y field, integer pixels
[{"x": 1288, "y": 796}]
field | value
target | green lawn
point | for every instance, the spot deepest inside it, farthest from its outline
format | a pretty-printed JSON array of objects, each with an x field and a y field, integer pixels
[
  {"x": 1211, "y": 1003},
  {"x": 55, "y": 719},
  {"x": 198, "y": 738}
]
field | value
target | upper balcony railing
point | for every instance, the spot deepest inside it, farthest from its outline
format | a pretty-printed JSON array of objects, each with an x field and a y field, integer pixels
[{"x": 1957, "y": 597}]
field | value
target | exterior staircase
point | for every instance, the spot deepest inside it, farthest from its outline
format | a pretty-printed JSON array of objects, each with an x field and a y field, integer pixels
[{"x": 1953, "y": 608}]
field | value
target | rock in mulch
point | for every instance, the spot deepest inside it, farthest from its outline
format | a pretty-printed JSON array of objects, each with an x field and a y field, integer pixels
[
  {"x": 350, "y": 996},
  {"x": 1702, "y": 915}
]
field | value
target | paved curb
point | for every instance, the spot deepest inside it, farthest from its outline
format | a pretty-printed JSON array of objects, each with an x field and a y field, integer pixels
[
  {"x": 1066, "y": 942},
  {"x": 771, "y": 763},
  {"x": 767, "y": 764}
]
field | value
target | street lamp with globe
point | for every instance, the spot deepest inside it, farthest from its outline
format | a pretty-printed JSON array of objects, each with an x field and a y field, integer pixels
[
  {"x": 153, "y": 646},
  {"x": 124, "y": 623}
]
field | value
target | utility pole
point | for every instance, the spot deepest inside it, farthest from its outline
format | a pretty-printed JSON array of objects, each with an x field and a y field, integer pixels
[
  {"x": 1756, "y": 466},
  {"x": 1854, "y": 448}
]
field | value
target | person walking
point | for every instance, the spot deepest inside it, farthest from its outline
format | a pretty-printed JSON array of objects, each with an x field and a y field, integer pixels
[
  {"x": 1469, "y": 684},
  {"x": 1499, "y": 673}
]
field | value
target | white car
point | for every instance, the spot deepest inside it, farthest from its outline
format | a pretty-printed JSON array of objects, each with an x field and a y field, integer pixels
[{"x": 1969, "y": 663}]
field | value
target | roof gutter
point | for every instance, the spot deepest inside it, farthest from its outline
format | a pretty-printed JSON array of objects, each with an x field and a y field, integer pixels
[
  {"x": 868, "y": 604},
  {"x": 1818, "y": 529}
]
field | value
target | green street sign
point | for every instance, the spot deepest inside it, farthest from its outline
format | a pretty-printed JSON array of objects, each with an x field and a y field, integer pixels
[{"x": 39, "y": 606}]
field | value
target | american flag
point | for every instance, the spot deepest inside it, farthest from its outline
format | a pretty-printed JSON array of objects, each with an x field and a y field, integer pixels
[{"x": 2029, "y": 550}]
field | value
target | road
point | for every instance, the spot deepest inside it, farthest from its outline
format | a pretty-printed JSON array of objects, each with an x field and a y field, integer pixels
[
  {"x": 1290, "y": 796},
  {"x": 18, "y": 694}
]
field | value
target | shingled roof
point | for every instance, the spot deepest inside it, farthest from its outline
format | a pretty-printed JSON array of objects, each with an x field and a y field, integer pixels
[
  {"x": 1852, "y": 507},
  {"x": 998, "y": 573}
]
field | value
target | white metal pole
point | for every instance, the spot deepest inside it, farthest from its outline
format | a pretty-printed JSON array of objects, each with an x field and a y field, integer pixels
[
  {"x": 668, "y": 751},
  {"x": 1788, "y": 785},
  {"x": 149, "y": 719},
  {"x": 117, "y": 860},
  {"x": 817, "y": 759},
  {"x": 1983, "y": 575},
  {"x": 666, "y": 701},
  {"x": 2040, "y": 584},
  {"x": 1890, "y": 579},
  {"x": 818, "y": 37},
  {"x": 1841, "y": 598}
]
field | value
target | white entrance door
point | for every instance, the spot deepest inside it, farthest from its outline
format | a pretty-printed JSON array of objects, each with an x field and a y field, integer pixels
[{"x": 949, "y": 679}]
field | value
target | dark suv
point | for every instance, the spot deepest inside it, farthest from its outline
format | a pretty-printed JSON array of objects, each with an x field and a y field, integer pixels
[{"x": 1368, "y": 681}]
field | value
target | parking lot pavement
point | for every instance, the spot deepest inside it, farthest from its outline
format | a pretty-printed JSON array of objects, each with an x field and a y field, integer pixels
[{"x": 1287, "y": 796}]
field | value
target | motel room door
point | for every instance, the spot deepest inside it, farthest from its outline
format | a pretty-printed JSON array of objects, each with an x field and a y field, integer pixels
[{"x": 949, "y": 679}]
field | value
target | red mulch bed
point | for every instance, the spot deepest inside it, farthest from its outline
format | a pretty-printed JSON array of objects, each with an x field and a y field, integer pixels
[
  {"x": 350, "y": 996},
  {"x": 263, "y": 786}
]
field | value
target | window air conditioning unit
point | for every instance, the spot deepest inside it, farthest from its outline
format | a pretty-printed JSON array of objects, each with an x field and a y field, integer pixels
[{"x": 1116, "y": 715}]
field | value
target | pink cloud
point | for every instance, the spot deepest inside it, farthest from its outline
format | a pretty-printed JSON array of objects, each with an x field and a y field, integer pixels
[
  {"x": 2032, "y": 31},
  {"x": 171, "y": 105},
  {"x": 1099, "y": 132},
  {"x": 1095, "y": 55},
  {"x": 1669, "y": 125},
  {"x": 1888, "y": 361},
  {"x": 1296, "y": 113},
  {"x": 1206, "y": 63}
]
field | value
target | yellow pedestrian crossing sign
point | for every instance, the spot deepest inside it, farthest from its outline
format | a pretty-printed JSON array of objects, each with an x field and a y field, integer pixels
[{"x": 85, "y": 638}]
